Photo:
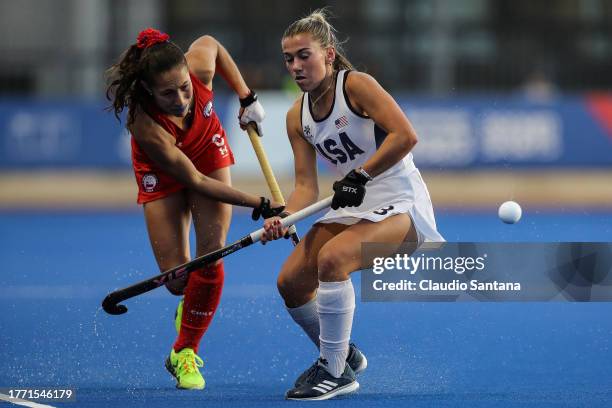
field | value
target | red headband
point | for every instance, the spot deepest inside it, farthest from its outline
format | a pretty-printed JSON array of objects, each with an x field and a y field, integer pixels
[{"x": 149, "y": 37}]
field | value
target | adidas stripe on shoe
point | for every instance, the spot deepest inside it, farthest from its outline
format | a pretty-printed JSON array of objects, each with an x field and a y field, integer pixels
[
  {"x": 321, "y": 385},
  {"x": 355, "y": 359}
]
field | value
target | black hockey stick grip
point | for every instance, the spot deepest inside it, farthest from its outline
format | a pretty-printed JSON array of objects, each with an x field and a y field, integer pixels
[{"x": 111, "y": 305}]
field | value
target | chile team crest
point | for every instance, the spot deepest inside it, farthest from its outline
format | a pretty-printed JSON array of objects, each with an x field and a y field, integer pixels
[
  {"x": 208, "y": 109},
  {"x": 149, "y": 182}
]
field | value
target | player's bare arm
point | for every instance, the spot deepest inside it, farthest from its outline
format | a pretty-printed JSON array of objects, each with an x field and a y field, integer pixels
[
  {"x": 208, "y": 56},
  {"x": 306, "y": 189},
  {"x": 201, "y": 59},
  {"x": 159, "y": 146},
  {"x": 368, "y": 97}
]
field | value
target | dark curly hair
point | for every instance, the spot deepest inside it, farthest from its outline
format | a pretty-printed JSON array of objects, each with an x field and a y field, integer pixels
[{"x": 140, "y": 62}]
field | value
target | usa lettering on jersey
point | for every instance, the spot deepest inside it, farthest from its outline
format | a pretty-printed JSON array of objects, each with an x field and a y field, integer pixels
[{"x": 347, "y": 150}]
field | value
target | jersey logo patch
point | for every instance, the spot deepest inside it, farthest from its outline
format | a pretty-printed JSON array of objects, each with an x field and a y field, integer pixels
[
  {"x": 149, "y": 182},
  {"x": 207, "y": 109},
  {"x": 307, "y": 131},
  {"x": 341, "y": 122},
  {"x": 218, "y": 140}
]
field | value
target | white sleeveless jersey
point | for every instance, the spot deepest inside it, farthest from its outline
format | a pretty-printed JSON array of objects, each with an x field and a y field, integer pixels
[{"x": 347, "y": 140}]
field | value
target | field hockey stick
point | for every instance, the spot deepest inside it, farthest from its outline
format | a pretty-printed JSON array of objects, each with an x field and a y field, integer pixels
[
  {"x": 111, "y": 301},
  {"x": 275, "y": 190}
]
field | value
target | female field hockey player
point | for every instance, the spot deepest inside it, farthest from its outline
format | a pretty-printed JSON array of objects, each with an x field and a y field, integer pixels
[
  {"x": 352, "y": 122},
  {"x": 181, "y": 160}
]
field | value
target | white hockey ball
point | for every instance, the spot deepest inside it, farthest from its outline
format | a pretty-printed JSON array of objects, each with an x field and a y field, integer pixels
[{"x": 510, "y": 212}]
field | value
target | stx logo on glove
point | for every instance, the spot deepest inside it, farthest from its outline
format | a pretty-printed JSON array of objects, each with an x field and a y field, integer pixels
[{"x": 350, "y": 191}]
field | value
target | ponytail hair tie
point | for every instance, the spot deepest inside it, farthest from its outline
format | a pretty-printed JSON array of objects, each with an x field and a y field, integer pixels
[{"x": 149, "y": 37}]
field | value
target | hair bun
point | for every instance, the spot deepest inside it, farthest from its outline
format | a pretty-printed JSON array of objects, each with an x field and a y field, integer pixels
[
  {"x": 319, "y": 15},
  {"x": 149, "y": 37}
]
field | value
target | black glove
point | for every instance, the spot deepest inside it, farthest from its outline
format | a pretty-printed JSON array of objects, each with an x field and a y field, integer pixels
[
  {"x": 265, "y": 211},
  {"x": 349, "y": 191}
]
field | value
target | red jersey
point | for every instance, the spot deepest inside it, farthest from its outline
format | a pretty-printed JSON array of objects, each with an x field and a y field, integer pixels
[{"x": 204, "y": 142}]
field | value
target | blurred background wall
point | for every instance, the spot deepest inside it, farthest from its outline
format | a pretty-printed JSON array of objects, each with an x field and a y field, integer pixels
[{"x": 510, "y": 98}]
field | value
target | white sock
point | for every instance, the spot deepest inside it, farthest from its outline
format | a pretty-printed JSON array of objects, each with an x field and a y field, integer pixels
[
  {"x": 336, "y": 305},
  {"x": 307, "y": 317}
]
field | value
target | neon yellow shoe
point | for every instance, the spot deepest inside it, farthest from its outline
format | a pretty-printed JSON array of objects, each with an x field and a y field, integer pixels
[
  {"x": 184, "y": 367},
  {"x": 178, "y": 316}
]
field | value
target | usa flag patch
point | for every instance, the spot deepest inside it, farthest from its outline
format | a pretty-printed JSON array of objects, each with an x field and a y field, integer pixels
[{"x": 341, "y": 122}]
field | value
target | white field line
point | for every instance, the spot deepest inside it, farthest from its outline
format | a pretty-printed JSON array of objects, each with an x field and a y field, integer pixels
[{"x": 25, "y": 403}]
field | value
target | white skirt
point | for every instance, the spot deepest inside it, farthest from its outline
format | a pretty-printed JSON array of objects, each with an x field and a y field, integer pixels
[{"x": 396, "y": 194}]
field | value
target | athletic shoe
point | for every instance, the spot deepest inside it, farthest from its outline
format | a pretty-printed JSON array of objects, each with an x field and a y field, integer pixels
[
  {"x": 184, "y": 368},
  {"x": 321, "y": 385},
  {"x": 355, "y": 359},
  {"x": 178, "y": 316}
]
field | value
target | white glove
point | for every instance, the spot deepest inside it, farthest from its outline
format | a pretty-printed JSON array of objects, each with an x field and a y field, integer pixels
[{"x": 253, "y": 113}]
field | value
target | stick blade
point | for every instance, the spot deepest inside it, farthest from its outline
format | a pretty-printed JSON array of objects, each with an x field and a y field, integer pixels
[{"x": 110, "y": 306}]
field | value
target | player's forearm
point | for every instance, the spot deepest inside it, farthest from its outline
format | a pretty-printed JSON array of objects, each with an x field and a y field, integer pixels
[
  {"x": 222, "y": 192},
  {"x": 228, "y": 69},
  {"x": 301, "y": 197},
  {"x": 395, "y": 147},
  {"x": 175, "y": 163}
]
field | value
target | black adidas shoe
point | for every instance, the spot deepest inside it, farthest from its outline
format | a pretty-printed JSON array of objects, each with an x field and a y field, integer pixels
[
  {"x": 355, "y": 359},
  {"x": 321, "y": 385}
]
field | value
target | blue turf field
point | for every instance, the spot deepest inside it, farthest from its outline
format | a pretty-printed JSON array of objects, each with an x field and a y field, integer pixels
[{"x": 57, "y": 267}]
